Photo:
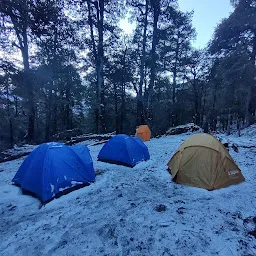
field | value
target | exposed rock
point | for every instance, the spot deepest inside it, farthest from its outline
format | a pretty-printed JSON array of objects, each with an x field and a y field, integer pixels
[
  {"x": 160, "y": 208},
  {"x": 191, "y": 127}
]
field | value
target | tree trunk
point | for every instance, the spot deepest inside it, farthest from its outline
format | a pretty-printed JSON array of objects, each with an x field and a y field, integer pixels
[
  {"x": 16, "y": 105},
  {"x": 156, "y": 12},
  {"x": 122, "y": 109},
  {"x": 116, "y": 109},
  {"x": 29, "y": 86},
  {"x": 214, "y": 117},
  {"x": 196, "y": 100},
  {"x": 123, "y": 86},
  {"x": 48, "y": 108},
  {"x": 99, "y": 69},
  {"x": 228, "y": 125},
  {"x": 9, "y": 116},
  {"x": 140, "y": 100},
  {"x": 95, "y": 54},
  {"x": 174, "y": 112},
  {"x": 175, "y": 70},
  {"x": 238, "y": 123},
  {"x": 203, "y": 113},
  {"x": 51, "y": 102},
  {"x": 28, "y": 81},
  {"x": 91, "y": 30},
  {"x": 19, "y": 15},
  {"x": 54, "y": 115},
  {"x": 253, "y": 58},
  {"x": 248, "y": 115},
  {"x": 68, "y": 107},
  {"x": 11, "y": 132}
]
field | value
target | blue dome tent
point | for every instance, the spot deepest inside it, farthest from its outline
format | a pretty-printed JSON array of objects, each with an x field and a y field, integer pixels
[
  {"x": 53, "y": 168},
  {"x": 125, "y": 150}
]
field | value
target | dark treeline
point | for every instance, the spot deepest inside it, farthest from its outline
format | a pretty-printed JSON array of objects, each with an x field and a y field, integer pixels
[{"x": 66, "y": 64}]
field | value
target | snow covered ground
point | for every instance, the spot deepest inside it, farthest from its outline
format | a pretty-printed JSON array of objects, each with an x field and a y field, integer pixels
[{"x": 120, "y": 215}]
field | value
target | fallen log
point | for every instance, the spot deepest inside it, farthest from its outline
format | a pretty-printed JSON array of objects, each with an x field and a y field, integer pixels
[
  {"x": 13, "y": 157},
  {"x": 103, "y": 138},
  {"x": 75, "y": 140},
  {"x": 98, "y": 143},
  {"x": 240, "y": 146},
  {"x": 66, "y": 135}
]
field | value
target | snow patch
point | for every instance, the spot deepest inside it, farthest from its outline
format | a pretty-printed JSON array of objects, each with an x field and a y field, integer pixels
[
  {"x": 62, "y": 189},
  {"x": 52, "y": 188},
  {"x": 74, "y": 183},
  {"x": 119, "y": 213}
]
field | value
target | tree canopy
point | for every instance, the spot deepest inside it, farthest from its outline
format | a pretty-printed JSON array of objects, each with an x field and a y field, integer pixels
[{"x": 67, "y": 65}]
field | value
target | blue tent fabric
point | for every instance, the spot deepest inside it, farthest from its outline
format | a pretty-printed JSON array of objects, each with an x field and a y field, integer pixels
[
  {"x": 125, "y": 150},
  {"x": 83, "y": 152},
  {"x": 53, "y": 168}
]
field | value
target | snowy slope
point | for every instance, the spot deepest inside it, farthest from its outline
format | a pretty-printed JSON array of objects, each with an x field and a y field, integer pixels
[
  {"x": 117, "y": 214},
  {"x": 249, "y": 131}
]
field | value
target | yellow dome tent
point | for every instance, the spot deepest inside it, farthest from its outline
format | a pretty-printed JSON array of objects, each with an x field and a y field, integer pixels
[
  {"x": 143, "y": 132},
  {"x": 202, "y": 161}
]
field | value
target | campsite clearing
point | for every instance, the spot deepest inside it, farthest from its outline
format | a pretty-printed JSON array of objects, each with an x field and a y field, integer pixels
[{"x": 134, "y": 211}]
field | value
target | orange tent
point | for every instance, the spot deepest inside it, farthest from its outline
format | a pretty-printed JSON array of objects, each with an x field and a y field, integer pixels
[{"x": 143, "y": 132}]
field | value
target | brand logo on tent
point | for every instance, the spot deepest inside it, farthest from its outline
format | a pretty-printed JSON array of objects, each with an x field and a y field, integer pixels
[{"x": 232, "y": 172}]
